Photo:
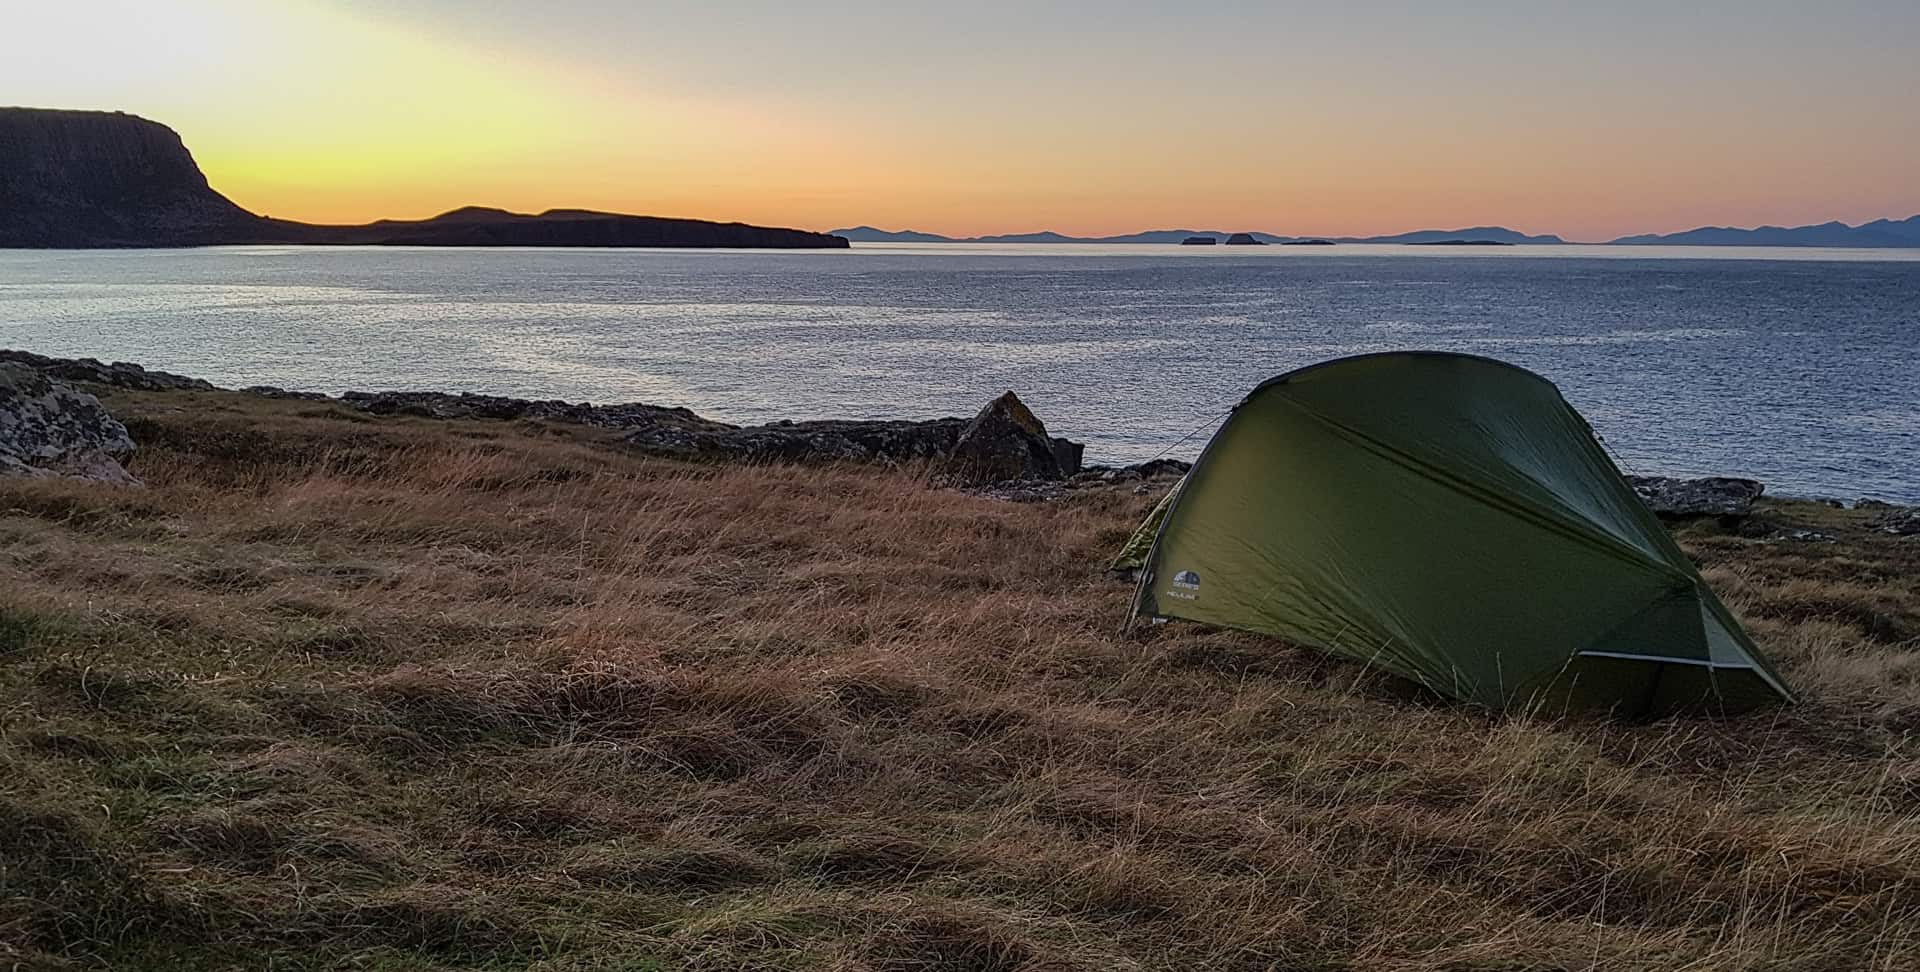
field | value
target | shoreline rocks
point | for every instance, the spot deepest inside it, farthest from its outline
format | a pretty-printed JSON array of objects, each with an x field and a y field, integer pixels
[
  {"x": 49, "y": 429},
  {"x": 119, "y": 374},
  {"x": 1004, "y": 442},
  {"x": 1138, "y": 472},
  {"x": 1901, "y": 521},
  {"x": 1003, "y": 451},
  {"x": 467, "y": 405},
  {"x": 1709, "y": 496},
  {"x": 824, "y": 440}
]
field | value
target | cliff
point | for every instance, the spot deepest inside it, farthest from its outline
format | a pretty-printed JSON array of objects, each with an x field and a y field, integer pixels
[
  {"x": 91, "y": 179},
  {"x": 78, "y": 179}
]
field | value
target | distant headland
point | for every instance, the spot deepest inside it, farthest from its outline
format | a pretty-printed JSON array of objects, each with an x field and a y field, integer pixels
[
  {"x": 1879, "y": 233},
  {"x": 87, "y": 179}
]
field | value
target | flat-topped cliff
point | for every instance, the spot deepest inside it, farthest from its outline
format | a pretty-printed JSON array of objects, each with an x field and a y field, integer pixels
[
  {"x": 84, "y": 179},
  {"x": 92, "y": 178}
]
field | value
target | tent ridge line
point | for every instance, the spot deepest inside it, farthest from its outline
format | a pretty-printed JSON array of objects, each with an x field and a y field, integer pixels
[
  {"x": 1523, "y": 508},
  {"x": 1287, "y": 376}
]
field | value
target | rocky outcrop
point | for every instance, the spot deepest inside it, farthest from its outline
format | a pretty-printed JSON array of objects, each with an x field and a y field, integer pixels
[
  {"x": 93, "y": 179},
  {"x": 48, "y": 429},
  {"x": 1901, "y": 521},
  {"x": 881, "y": 441},
  {"x": 1152, "y": 476},
  {"x": 107, "y": 179},
  {"x": 1152, "y": 469},
  {"x": 991, "y": 451},
  {"x": 275, "y": 391},
  {"x": 1004, "y": 442},
  {"x": 120, "y": 374},
  {"x": 1245, "y": 239},
  {"x": 442, "y": 405},
  {"x": 1712, "y": 496}
]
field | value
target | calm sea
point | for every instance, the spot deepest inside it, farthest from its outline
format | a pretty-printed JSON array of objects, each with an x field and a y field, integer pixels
[{"x": 1797, "y": 367}]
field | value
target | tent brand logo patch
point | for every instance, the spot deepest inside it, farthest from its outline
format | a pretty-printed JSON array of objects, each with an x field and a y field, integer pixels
[{"x": 1186, "y": 585}]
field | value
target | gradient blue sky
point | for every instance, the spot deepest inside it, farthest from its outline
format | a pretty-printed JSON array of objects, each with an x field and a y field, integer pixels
[{"x": 1588, "y": 120}]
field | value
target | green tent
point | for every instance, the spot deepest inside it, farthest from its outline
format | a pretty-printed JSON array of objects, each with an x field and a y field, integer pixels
[{"x": 1451, "y": 519}]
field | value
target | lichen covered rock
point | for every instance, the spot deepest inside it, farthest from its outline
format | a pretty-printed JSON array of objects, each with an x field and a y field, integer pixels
[
  {"x": 1006, "y": 441},
  {"x": 49, "y": 429},
  {"x": 119, "y": 374},
  {"x": 1711, "y": 496}
]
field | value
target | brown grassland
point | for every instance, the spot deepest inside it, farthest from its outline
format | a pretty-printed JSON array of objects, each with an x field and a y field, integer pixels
[{"x": 344, "y": 692}]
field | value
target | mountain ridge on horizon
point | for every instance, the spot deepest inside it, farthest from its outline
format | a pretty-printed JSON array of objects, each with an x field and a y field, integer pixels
[
  {"x": 1876, "y": 233},
  {"x": 1493, "y": 234},
  {"x": 1879, "y": 233}
]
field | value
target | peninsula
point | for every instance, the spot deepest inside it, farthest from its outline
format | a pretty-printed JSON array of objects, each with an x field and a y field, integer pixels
[{"x": 90, "y": 179}]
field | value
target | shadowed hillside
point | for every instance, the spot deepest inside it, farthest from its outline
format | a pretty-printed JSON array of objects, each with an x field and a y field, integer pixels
[
  {"x": 392, "y": 692},
  {"x": 88, "y": 178}
]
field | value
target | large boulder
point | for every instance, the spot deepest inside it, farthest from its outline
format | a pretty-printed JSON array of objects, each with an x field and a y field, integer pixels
[
  {"x": 1006, "y": 441},
  {"x": 1712, "y": 496},
  {"x": 48, "y": 429}
]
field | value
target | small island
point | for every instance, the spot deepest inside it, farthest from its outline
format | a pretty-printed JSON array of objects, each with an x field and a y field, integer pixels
[
  {"x": 1245, "y": 239},
  {"x": 1198, "y": 241},
  {"x": 1308, "y": 243},
  {"x": 1459, "y": 243}
]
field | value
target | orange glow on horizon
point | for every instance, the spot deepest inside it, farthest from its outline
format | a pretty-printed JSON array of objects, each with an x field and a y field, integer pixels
[{"x": 319, "y": 111}]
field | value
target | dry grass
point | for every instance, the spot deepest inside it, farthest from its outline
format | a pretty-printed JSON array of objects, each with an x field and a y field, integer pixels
[{"x": 397, "y": 694}]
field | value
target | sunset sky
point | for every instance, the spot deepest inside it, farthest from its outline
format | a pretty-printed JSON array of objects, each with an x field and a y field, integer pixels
[{"x": 1585, "y": 119}]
